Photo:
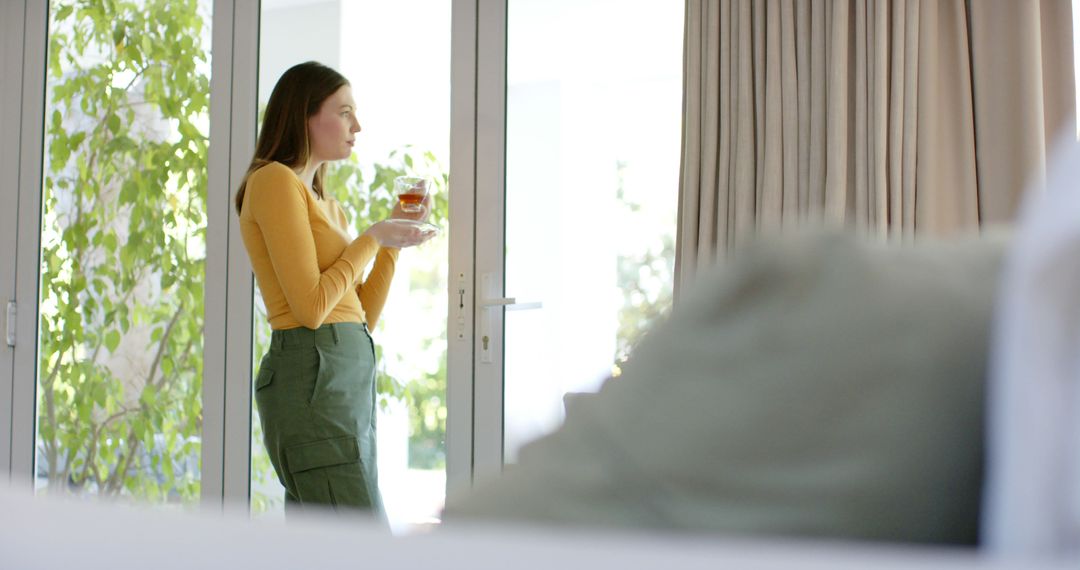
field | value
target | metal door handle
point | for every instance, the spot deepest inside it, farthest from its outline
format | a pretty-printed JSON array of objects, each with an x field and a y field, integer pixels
[
  {"x": 511, "y": 304},
  {"x": 492, "y": 303}
]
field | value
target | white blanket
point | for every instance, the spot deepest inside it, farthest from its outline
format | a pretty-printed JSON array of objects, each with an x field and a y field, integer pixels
[
  {"x": 1033, "y": 495},
  {"x": 38, "y": 533}
]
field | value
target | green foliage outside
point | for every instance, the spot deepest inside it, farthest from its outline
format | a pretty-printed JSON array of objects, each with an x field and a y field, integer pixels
[
  {"x": 123, "y": 250},
  {"x": 645, "y": 280}
]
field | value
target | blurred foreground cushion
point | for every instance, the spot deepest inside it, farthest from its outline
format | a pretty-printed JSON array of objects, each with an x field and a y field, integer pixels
[{"x": 813, "y": 387}]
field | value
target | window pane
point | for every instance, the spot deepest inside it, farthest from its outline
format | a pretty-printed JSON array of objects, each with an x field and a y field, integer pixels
[
  {"x": 123, "y": 249},
  {"x": 592, "y": 177},
  {"x": 396, "y": 56}
]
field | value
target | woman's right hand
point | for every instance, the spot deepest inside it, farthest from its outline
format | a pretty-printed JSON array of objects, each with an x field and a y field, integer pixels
[{"x": 393, "y": 234}]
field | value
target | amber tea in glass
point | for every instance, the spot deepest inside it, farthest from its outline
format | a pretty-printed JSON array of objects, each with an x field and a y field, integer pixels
[{"x": 411, "y": 192}]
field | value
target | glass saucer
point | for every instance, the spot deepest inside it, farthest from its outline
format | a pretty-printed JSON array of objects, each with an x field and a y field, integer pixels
[{"x": 425, "y": 227}]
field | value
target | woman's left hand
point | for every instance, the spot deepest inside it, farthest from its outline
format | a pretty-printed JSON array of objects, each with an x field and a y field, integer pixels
[{"x": 421, "y": 215}]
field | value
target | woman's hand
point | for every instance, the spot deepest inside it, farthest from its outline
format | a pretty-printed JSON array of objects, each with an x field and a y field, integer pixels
[
  {"x": 421, "y": 215},
  {"x": 390, "y": 234}
]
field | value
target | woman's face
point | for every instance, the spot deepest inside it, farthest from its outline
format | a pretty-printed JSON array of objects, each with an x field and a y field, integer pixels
[{"x": 333, "y": 129}]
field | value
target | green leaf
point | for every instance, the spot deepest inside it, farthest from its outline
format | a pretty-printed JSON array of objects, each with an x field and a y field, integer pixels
[
  {"x": 109, "y": 240},
  {"x": 113, "y": 123},
  {"x": 139, "y": 426},
  {"x": 112, "y": 340},
  {"x": 100, "y": 396},
  {"x": 77, "y": 139},
  {"x": 167, "y": 469},
  {"x": 118, "y": 35},
  {"x": 147, "y": 397}
]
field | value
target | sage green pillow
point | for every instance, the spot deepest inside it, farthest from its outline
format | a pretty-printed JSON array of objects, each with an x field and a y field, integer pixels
[{"x": 813, "y": 387}]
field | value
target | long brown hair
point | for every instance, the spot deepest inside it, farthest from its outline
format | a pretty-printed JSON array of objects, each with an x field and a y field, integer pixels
[{"x": 283, "y": 138}]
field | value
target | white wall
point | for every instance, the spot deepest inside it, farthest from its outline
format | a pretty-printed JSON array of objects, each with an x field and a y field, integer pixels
[{"x": 285, "y": 18}]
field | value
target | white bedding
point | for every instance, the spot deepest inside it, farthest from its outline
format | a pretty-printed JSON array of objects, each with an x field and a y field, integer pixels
[
  {"x": 42, "y": 533},
  {"x": 1033, "y": 498}
]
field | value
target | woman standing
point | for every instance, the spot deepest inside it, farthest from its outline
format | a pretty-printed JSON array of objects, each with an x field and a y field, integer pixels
[{"x": 315, "y": 389}]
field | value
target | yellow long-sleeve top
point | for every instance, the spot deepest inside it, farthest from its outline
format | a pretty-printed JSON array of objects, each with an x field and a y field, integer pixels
[{"x": 308, "y": 268}]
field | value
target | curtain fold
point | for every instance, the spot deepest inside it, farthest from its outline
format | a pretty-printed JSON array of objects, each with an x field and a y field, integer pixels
[
  {"x": 897, "y": 118},
  {"x": 1022, "y": 97}
]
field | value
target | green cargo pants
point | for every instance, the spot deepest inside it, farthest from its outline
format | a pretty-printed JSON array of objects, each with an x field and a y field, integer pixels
[{"x": 316, "y": 396}]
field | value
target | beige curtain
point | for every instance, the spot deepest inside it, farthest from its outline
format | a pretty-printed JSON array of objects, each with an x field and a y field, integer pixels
[{"x": 893, "y": 117}]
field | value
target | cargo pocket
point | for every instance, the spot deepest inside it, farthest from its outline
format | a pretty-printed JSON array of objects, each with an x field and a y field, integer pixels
[
  {"x": 371, "y": 343},
  {"x": 265, "y": 377},
  {"x": 320, "y": 371},
  {"x": 329, "y": 472}
]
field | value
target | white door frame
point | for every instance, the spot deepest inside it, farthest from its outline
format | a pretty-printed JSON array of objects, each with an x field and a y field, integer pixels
[
  {"x": 11, "y": 68},
  {"x": 28, "y": 44},
  {"x": 229, "y": 293},
  {"x": 490, "y": 238},
  {"x": 241, "y": 290},
  {"x": 461, "y": 282}
]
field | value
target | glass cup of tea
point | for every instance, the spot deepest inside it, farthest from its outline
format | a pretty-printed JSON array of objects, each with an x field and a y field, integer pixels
[{"x": 411, "y": 191}]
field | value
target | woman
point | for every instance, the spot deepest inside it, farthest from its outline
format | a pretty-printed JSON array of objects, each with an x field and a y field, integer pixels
[{"x": 315, "y": 389}]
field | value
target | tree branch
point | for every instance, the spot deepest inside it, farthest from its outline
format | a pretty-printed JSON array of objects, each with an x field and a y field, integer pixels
[
  {"x": 48, "y": 389},
  {"x": 117, "y": 477},
  {"x": 68, "y": 459},
  {"x": 90, "y": 468},
  {"x": 161, "y": 346}
]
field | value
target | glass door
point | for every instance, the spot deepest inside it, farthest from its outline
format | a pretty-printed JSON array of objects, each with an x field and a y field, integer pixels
[
  {"x": 396, "y": 56},
  {"x": 584, "y": 231},
  {"x": 123, "y": 250}
]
